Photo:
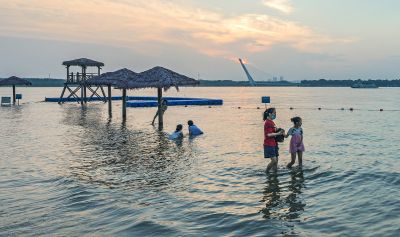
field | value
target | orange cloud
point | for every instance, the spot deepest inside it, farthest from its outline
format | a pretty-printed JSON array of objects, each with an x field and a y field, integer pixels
[{"x": 134, "y": 23}]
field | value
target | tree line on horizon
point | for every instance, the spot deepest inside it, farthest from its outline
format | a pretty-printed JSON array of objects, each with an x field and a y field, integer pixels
[
  {"x": 346, "y": 83},
  {"x": 52, "y": 82}
]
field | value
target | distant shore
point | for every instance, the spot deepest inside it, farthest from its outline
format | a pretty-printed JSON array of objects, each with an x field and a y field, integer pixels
[{"x": 52, "y": 82}]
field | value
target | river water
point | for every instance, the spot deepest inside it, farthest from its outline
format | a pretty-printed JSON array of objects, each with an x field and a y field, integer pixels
[{"x": 68, "y": 170}]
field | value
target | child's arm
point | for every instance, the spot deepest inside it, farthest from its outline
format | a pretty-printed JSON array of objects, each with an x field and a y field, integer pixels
[
  {"x": 274, "y": 134},
  {"x": 288, "y": 133},
  {"x": 301, "y": 136}
]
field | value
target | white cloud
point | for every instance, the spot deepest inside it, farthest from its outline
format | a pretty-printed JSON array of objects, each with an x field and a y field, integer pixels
[{"x": 281, "y": 5}]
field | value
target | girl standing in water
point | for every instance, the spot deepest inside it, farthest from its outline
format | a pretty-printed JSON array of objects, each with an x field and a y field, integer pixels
[
  {"x": 270, "y": 145},
  {"x": 164, "y": 107},
  {"x": 296, "y": 142}
]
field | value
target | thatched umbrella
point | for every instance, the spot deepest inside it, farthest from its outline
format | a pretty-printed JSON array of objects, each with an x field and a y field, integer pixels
[
  {"x": 13, "y": 81},
  {"x": 118, "y": 79},
  {"x": 159, "y": 77}
]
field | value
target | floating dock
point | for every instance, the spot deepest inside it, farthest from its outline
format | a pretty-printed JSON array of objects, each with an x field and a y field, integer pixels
[{"x": 148, "y": 101}]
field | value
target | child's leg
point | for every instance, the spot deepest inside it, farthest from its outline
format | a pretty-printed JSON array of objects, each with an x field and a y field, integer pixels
[
  {"x": 276, "y": 159},
  {"x": 154, "y": 119},
  {"x": 272, "y": 164},
  {"x": 276, "y": 164},
  {"x": 293, "y": 155},
  {"x": 300, "y": 154}
]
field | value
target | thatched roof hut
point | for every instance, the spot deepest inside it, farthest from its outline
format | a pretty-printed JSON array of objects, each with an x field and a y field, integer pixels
[
  {"x": 116, "y": 78},
  {"x": 83, "y": 62},
  {"x": 159, "y": 77},
  {"x": 15, "y": 81}
]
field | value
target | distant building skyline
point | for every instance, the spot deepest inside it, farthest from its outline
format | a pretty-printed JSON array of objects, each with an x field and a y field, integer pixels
[{"x": 308, "y": 39}]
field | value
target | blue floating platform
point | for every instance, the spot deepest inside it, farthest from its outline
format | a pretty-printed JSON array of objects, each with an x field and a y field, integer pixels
[
  {"x": 149, "y": 101},
  {"x": 172, "y": 102}
]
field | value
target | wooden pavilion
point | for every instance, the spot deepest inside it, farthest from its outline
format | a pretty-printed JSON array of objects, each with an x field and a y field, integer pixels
[
  {"x": 157, "y": 77},
  {"x": 118, "y": 79},
  {"x": 75, "y": 82},
  {"x": 160, "y": 78}
]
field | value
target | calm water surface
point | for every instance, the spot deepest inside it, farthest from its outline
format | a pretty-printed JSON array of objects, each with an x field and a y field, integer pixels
[{"x": 68, "y": 170}]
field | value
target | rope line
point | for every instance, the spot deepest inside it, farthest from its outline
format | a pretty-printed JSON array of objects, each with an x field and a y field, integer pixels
[{"x": 320, "y": 108}]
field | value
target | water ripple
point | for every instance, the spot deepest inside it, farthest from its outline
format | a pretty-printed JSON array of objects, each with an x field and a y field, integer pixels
[{"x": 68, "y": 170}]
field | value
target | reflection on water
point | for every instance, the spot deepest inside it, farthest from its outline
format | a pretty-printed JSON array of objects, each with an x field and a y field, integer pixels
[
  {"x": 117, "y": 156},
  {"x": 283, "y": 199}
]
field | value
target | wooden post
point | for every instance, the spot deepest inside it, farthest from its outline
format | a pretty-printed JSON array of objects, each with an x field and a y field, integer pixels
[
  {"x": 67, "y": 73},
  {"x": 62, "y": 93},
  {"x": 83, "y": 83},
  {"x": 14, "y": 94},
  {"x": 104, "y": 94},
  {"x": 81, "y": 94},
  {"x": 83, "y": 73},
  {"x": 160, "y": 113},
  {"x": 124, "y": 104},
  {"x": 80, "y": 85},
  {"x": 109, "y": 101},
  {"x": 84, "y": 93}
]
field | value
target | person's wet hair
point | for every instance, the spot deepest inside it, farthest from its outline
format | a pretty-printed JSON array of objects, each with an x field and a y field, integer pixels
[
  {"x": 179, "y": 127},
  {"x": 295, "y": 119},
  {"x": 267, "y": 112},
  {"x": 190, "y": 122}
]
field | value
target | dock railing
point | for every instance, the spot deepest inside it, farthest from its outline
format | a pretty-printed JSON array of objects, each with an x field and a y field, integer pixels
[{"x": 79, "y": 77}]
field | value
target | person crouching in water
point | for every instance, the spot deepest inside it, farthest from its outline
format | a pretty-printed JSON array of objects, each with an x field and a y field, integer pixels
[
  {"x": 193, "y": 129},
  {"x": 296, "y": 142},
  {"x": 270, "y": 145},
  {"x": 177, "y": 134}
]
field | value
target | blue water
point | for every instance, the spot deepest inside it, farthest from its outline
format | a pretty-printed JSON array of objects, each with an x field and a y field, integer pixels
[{"x": 67, "y": 170}]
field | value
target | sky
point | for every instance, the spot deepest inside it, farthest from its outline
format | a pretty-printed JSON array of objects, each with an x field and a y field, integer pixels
[{"x": 295, "y": 39}]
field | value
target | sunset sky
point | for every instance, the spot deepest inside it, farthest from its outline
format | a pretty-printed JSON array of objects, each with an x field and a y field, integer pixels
[{"x": 297, "y": 39}]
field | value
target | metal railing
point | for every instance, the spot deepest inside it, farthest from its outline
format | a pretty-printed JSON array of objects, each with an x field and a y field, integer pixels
[{"x": 79, "y": 77}]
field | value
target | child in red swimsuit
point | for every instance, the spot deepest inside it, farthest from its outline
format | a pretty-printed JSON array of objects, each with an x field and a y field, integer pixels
[{"x": 271, "y": 149}]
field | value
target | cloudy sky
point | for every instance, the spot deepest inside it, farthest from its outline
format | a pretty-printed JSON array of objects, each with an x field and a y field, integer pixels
[{"x": 297, "y": 39}]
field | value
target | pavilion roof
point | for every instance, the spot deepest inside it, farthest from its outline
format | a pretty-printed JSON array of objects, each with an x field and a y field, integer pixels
[
  {"x": 12, "y": 81},
  {"x": 117, "y": 78},
  {"x": 160, "y": 77},
  {"x": 83, "y": 62},
  {"x": 157, "y": 77}
]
